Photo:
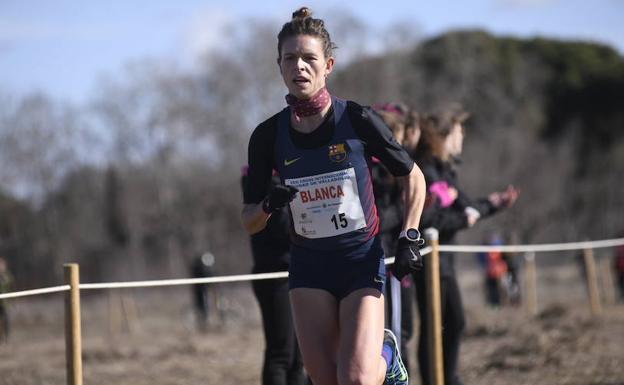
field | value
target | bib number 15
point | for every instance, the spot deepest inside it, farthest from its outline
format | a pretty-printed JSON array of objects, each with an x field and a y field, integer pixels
[{"x": 339, "y": 220}]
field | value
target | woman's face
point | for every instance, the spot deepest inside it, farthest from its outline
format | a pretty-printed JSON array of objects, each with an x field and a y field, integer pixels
[
  {"x": 398, "y": 133},
  {"x": 411, "y": 138},
  {"x": 454, "y": 142},
  {"x": 303, "y": 65}
]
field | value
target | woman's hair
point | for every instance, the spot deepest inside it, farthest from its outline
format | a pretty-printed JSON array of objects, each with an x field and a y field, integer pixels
[
  {"x": 394, "y": 121},
  {"x": 399, "y": 118},
  {"x": 303, "y": 23},
  {"x": 412, "y": 119},
  {"x": 436, "y": 126}
]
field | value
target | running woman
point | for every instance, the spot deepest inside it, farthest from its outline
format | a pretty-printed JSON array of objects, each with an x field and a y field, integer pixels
[{"x": 321, "y": 147}]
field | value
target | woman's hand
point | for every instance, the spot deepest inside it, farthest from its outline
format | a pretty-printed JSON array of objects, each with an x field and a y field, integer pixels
[{"x": 505, "y": 198}]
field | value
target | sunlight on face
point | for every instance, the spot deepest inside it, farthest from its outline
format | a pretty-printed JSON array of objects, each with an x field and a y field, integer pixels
[
  {"x": 304, "y": 66},
  {"x": 454, "y": 142}
]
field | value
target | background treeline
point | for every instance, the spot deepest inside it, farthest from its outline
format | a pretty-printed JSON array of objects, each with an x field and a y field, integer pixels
[{"x": 134, "y": 183}]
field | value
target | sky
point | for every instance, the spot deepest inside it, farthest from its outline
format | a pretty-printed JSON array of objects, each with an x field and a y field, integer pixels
[{"x": 63, "y": 47}]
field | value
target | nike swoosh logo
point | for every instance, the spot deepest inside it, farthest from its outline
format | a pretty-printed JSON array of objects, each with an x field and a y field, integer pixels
[
  {"x": 289, "y": 162},
  {"x": 378, "y": 280}
]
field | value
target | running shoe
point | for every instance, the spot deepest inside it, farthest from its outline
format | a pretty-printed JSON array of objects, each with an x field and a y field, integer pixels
[{"x": 396, "y": 374}]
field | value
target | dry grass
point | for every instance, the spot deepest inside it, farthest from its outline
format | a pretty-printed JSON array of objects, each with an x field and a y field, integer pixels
[{"x": 563, "y": 345}]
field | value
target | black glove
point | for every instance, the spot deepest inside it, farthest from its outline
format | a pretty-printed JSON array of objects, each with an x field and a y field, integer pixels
[
  {"x": 407, "y": 258},
  {"x": 278, "y": 197}
]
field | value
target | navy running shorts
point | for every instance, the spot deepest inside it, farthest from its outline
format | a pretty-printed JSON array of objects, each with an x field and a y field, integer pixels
[{"x": 339, "y": 272}]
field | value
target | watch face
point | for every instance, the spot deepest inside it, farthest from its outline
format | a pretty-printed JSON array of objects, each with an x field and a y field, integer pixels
[{"x": 412, "y": 234}]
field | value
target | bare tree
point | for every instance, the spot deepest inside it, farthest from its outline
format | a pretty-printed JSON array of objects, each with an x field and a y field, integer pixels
[{"x": 40, "y": 142}]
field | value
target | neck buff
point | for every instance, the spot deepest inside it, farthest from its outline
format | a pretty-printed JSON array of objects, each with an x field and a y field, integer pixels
[{"x": 308, "y": 107}]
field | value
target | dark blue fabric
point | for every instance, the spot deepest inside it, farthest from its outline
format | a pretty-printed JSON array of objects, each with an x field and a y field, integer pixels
[
  {"x": 339, "y": 272},
  {"x": 317, "y": 161}
]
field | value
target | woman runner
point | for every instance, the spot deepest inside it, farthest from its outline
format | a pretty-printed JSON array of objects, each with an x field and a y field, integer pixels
[{"x": 321, "y": 147}]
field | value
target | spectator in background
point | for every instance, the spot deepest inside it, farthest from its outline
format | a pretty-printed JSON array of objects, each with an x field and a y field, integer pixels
[
  {"x": 512, "y": 279},
  {"x": 271, "y": 253},
  {"x": 448, "y": 209},
  {"x": 201, "y": 267},
  {"x": 387, "y": 190},
  {"x": 619, "y": 269},
  {"x": 6, "y": 283},
  {"x": 494, "y": 271}
]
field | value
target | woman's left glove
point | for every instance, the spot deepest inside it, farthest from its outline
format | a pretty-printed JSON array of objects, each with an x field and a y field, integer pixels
[{"x": 407, "y": 258}]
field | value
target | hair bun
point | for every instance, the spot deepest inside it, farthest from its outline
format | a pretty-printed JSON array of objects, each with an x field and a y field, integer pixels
[{"x": 302, "y": 13}]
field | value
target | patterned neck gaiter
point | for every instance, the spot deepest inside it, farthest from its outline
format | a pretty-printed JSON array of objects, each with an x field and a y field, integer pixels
[{"x": 308, "y": 107}]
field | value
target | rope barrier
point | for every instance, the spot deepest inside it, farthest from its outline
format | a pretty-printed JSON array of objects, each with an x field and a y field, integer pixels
[
  {"x": 187, "y": 281},
  {"x": 536, "y": 248},
  {"x": 284, "y": 274},
  {"x": 26, "y": 293}
]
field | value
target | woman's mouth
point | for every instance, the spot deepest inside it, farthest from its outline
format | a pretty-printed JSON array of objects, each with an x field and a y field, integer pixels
[{"x": 301, "y": 81}]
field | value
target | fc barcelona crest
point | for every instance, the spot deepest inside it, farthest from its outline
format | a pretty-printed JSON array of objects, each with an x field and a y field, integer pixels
[{"x": 337, "y": 152}]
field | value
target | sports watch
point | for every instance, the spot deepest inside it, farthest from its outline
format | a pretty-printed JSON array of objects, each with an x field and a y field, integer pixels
[{"x": 411, "y": 234}]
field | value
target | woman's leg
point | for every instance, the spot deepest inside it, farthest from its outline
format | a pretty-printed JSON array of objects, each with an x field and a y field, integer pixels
[
  {"x": 279, "y": 334},
  {"x": 315, "y": 314},
  {"x": 453, "y": 323},
  {"x": 421, "y": 300},
  {"x": 407, "y": 320},
  {"x": 296, "y": 374},
  {"x": 361, "y": 337}
]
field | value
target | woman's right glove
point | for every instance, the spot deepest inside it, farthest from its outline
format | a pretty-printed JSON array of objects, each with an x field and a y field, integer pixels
[{"x": 278, "y": 197}]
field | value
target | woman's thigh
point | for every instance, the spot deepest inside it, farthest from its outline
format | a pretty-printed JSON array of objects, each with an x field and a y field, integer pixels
[
  {"x": 361, "y": 337},
  {"x": 315, "y": 314}
]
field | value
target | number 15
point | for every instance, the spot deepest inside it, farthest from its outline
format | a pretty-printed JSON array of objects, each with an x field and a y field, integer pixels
[{"x": 341, "y": 217}]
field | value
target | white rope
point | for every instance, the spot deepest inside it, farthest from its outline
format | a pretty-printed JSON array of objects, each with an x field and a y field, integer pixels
[
  {"x": 536, "y": 248},
  {"x": 284, "y": 274},
  {"x": 187, "y": 281},
  {"x": 25, "y": 293}
]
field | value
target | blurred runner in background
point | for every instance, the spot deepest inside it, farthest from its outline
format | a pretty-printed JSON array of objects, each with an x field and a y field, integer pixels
[
  {"x": 270, "y": 249},
  {"x": 494, "y": 271},
  {"x": 202, "y": 267}
]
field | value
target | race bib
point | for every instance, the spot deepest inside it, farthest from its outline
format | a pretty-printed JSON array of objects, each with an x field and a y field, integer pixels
[{"x": 327, "y": 204}]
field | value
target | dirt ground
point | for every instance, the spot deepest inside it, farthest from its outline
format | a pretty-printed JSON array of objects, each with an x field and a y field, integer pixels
[{"x": 156, "y": 342}]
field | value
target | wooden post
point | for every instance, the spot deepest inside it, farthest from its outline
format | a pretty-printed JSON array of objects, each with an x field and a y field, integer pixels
[
  {"x": 73, "y": 342},
  {"x": 592, "y": 283},
  {"x": 434, "y": 314},
  {"x": 530, "y": 283},
  {"x": 607, "y": 281}
]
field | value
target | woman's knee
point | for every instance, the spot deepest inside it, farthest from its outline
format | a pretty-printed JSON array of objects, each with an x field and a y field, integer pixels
[
  {"x": 357, "y": 376},
  {"x": 322, "y": 372}
]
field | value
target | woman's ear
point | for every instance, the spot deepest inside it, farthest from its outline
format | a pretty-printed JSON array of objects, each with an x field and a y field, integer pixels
[{"x": 329, "y": 66}]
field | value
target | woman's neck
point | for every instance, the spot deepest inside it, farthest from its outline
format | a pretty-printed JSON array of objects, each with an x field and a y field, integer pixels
[
  {"x": 307, "y": 124},
  {"x": 308, "y": 114}
]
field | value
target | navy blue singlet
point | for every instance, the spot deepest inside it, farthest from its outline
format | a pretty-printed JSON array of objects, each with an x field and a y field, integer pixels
[{"x": 335, "y": 207}]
